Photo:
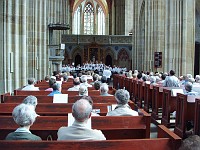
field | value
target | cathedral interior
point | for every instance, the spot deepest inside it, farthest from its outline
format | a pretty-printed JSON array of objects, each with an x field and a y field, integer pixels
[{"x": 39, "y": 37}]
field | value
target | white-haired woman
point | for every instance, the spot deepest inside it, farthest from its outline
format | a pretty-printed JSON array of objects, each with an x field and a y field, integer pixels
[{"x": 24, "y": 115}]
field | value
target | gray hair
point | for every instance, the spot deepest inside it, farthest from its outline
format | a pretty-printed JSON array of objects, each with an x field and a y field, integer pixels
[
  {"x": 31, "y": 100},
  {"x": 31, "y": 81},
  {"x": 81, "y": 110},
  {"x": 83, "y": 90},
  {"x": 188, "y": 86},
  {"x": 83, "y": 78},
  {"x": 104, "y": 88},
  {"x": 122, "y": 96},
  {"x": 24, "y": 115}
]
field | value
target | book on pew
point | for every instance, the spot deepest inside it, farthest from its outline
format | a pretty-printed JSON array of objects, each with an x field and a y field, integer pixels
[
  {"x": 175, "y": 91},
  {"x": 60, "y": 98},
  {"x": 111, "y": 107},
  {"x": 71, "y": 121}
]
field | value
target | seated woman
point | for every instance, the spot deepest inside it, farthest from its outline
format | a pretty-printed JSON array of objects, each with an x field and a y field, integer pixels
[
  {"x": 24, "y": 115},
  {"x": 122, "y": 109}
]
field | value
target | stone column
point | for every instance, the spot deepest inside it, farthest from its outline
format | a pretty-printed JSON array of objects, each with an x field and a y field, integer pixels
[
  {"x": 188, "y": 36},
  {"x": 3, "y": 45}
]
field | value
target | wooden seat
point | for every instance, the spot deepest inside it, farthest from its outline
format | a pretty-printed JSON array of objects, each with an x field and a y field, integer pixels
[
  {"x": 167, "y": 141},
  {"x": 52, "y": 109},
  {"x": 113, "y": 127}
]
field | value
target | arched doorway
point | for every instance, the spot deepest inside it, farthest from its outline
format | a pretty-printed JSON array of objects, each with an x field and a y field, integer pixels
[
  {"x": 108, "y": 60},
  {"x": 78, "y": 60}
]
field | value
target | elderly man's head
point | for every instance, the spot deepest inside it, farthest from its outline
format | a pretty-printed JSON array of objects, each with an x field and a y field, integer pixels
[
  {"x": 188, "y": 86},
  {"x": 97, "y": 85},
  {"x": 81, "y": 110},
  {"x": 83, "y": 78},
  {"x": 24, "y": 115},
  {"x": 31, "y": 81},
  {"x": 31, "y": 100},
  {"x": 122, "y": 96},
  {"x": 56, "y": 86},
  {"x": 104, "y": 88},
  {"x": 83, "y": 90},
  {"x": 76, "y": 81}
]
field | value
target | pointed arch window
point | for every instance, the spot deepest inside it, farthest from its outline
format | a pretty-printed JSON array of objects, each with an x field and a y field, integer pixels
[
  {"x": 77, "y": 20},
  {"x": 101, "y": 21},
  {"x": 88, "y": 19}
]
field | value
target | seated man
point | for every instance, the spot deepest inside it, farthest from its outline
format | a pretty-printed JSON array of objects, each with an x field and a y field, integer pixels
[
  {"x": 84, "y": 81},
  {"x": 76, "y": 86},
  {"x": 122, "y": 108},
  {"x": 31, "y": 100},
  {"x": 81, "y": 111},
  {"x": 188, "y": 89},
  {"x": 30, "y": 86},
  {"x": 24, "y": 115},
  {"x": 56, "y": 89},
  {"x": 104, "y": 90},
  {"x": 83, "y": 90}
]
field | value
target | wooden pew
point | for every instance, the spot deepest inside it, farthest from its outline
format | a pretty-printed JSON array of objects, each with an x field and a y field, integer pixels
[
  {"x": 168, "y": 106},
  {"x": 50, "y": 109},
  {"x": 167, "y": 141},
  {"x": 20, "y": 92},
  {"x": 113, "y": 127},
  {"x": 140, "y": 94},
  {"x": 49, "y": 99},
  {"x": 135, "y": 91},
  {"x": 156, "y": 103},
  {"x": 185, "y": 111},
  {"x": 197, "y": 117},
  {"x": 147, "y": 97}
]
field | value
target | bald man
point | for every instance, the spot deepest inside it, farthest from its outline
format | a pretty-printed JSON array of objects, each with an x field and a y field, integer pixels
[{"x": 81, "y": 111}]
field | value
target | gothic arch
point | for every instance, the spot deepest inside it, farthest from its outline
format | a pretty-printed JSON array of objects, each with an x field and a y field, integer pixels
[
  {"x": 75, "y": 52},
  {"x": 109, "y": 53},
  {"x": 123, "y": 58}
]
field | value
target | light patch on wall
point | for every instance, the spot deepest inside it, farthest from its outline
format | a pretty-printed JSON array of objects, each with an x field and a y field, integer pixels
[{"x": 11, "y": 62}]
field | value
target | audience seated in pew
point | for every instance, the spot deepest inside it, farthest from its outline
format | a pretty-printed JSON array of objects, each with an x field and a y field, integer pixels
[
  {"x": 24, "y": 115},
  {"x": 104, "y": 90},
  {"x": 97, "y": 85},
  {"x": 51, "y": 82},
  {"x": 81, "y": 111},
  {"x": 76, "y": 86},
  {"x": 188, "y": 89},
  {"x": 171, "y": 80},
  {"x": 83, "y": 90},
  {"x": 122, "y": 109},
  {"x": 84, "y": 81},
  {"x": 30, "y": 100},
  {"x": 56, "y": 89},
  {"x": 191, "y": 143},
  {"x": 30, "y": 86}
]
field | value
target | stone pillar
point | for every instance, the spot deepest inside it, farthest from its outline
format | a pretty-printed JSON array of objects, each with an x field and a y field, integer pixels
[
  {"x": 3, "y": 45},
  {"x": 119, "y": 17},
  {"x": 188, "y": 36},
  {"x": 16, "y": 45}
]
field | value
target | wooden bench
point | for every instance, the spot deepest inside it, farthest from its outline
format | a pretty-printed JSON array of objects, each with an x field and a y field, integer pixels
[
  {"x": 167, "y": 141},
  {"x": 52, "y": 109},
  {"x": 185, "y": 111},
  {"x": 147, "y": 97},
  {"x": 168, "y": 106},
  {"x": 113, "y": 127},
  {"x": 140, "y": 94},
  {"x": 20, "y": 92},
  {"x": 197, "y": 117},
  {"x": 156, "y": 103},
  {"x": 49, "y": 99}
]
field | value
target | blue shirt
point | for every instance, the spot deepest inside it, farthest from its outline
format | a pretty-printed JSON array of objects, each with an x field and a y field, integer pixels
[{"x": 54, "y": 92}]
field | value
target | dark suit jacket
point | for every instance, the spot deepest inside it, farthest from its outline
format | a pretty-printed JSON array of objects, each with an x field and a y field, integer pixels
[{"x": 22, "y": 136}]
